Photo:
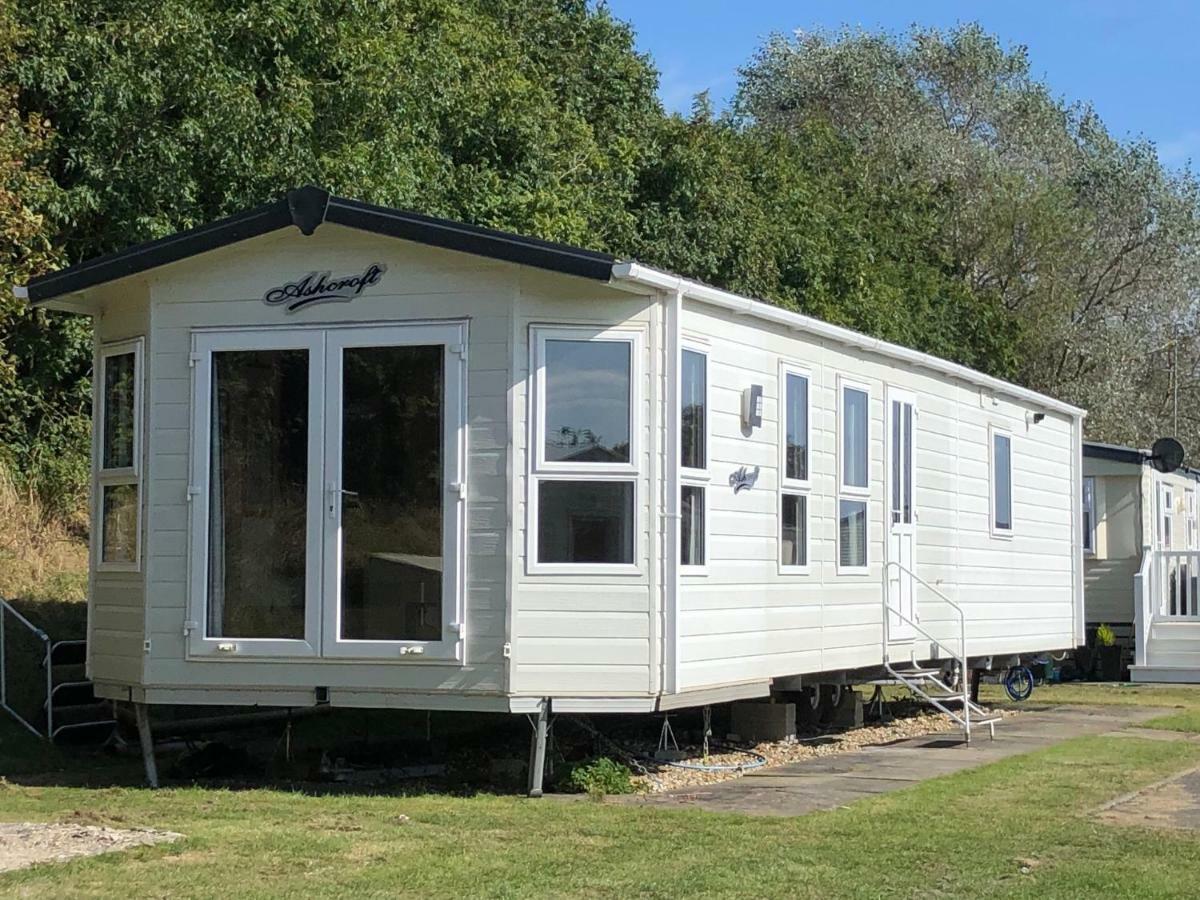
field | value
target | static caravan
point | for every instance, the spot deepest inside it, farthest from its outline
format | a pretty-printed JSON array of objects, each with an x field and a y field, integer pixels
[
  {"x": 1142, "y": 555},
  {"x": 352, "y": 455}
]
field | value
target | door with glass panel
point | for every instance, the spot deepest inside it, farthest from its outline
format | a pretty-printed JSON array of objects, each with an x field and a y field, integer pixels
[
  {"x": 327, "y": 492},
  {"x": 255, "y": 493},
  {"x": 393, "y": 491},
  {"x": 902, "y": 516}
]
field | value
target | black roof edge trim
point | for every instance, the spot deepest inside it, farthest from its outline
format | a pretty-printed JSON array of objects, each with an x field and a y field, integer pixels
[
  {"x": 306, "y": 208},
  {"x": 1113, "y": 453},
  {"x": 450, "y": 235},
  {"x": 151, "y": 254}
]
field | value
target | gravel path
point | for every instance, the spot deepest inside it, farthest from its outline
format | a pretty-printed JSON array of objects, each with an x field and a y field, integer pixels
[
  {"x": 25, "y": 844},
  {"x": 663, "y": 777}
]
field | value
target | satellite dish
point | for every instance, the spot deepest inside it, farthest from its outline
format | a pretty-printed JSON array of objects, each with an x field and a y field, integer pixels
[{"x": 1166, "y": 455}]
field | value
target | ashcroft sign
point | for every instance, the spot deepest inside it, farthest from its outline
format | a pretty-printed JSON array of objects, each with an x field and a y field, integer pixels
[{"x": 321, "y": 287}]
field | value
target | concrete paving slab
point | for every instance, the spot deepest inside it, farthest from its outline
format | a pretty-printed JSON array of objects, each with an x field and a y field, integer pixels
[{"x": 830, "y": 782}]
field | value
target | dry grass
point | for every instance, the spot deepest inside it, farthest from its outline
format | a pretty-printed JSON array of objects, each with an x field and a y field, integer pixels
[{"x": 41, "y": 556}]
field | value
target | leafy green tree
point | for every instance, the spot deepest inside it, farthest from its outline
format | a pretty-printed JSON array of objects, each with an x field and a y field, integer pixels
[
  {"x": 796, "y": 218},
  {"x": 44, "y": 358},
  {"x": 1086, "y": 241},
  {"x": 526, "y": 114}
]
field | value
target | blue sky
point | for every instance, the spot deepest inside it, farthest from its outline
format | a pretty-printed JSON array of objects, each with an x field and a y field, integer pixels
[{"x": 1137, "y": 61}]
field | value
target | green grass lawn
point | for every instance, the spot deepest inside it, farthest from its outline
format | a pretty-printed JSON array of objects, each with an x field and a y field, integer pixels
[
  {"x": 969, "y": 834},
  {"x": 1183, "y": 698}
]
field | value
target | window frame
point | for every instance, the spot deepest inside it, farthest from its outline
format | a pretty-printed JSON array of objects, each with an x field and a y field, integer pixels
[
  {"x": 1191, "y": 526},
  {"x": 690, "y": 477},
  {"x": 995, "y": 530},
  {"x": 538, "y": 469},
  {"x": 1166, "y": 516},
  {"x": 205, "y": 343},
  {"x": 1089, "y": 515},
  {"x": 851, "y": 492},
  {"x": 801, "y": 487},
  {"x": 124, "y": 475}
]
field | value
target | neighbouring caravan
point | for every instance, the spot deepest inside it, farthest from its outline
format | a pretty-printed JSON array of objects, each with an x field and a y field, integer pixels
[
  {"x": 1141, "y": 542},
  {"x": 352, "y": 455}
]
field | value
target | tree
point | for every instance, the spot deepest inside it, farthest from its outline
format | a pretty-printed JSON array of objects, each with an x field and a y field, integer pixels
[
  {"x": 1086, "y": 241},
  {"x": 44, "y": 358},
  {"x": 525, "y": 114}
]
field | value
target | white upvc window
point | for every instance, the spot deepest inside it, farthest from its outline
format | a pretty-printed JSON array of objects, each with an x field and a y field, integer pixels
[
  {"x": 584, "y": 451},
  {"x": 795, "y": 468},
  {"x": 118, "y": 457},
  {"x": 1000, "y": 472},
  {"x": 854, "y": 477},
  {"x": 1166, "y": 516},
  {"x": 1089, "y": 514},
  {"x": 1189, "y": 507},
  {"x": 693, "y": 460}
]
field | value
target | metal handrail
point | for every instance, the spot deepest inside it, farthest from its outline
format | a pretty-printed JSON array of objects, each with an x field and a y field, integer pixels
[
  {"x": 7, "y": 609},
  {"x": 962, "y": 630}
]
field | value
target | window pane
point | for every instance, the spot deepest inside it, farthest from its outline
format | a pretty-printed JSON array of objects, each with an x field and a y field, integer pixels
[
  {"x": 796, "y": 403},
  {"x": 119, "y": 528},
  {"x": 587, "y": 401},
  {"x": 118, "y": 420},
  {"x": 852, "y": 532},
  {"x": 258, "y": 462},
  {"x": 691, "y": 537},
  {"x": 1003, "y": 455},
  {"x": 854, "y": 438},
  {"x": 392, "y": 493},
  {"x": 908, "y": 444},
  {"x": 794, "y": 536},
  {"x": 585, "y": 522},
  {"x": 693, "y": 403},
  {"x": 897, "y": 475}
]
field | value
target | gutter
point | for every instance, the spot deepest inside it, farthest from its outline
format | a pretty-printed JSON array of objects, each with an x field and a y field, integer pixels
[{"x": 645, "y": 276}]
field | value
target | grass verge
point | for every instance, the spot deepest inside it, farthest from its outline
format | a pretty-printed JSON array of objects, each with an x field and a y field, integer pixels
[{"x": 1021, "y": 827}]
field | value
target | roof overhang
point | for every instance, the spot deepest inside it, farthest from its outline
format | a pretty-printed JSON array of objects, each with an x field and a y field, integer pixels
[
  {"x": 647, "y": 277},
  {"x": 307, "y": 208}
]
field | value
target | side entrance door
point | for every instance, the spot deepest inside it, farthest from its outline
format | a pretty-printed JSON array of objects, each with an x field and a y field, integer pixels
[{"x": 902, "y": 513}]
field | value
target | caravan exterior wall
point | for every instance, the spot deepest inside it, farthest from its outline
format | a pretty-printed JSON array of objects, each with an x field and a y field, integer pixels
[
  {"x": 748, "y": 615},
  {"x": 559, "y": 574}
]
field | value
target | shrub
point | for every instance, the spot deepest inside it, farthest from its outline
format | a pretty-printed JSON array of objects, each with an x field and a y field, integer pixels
[
  {"x": 600, "y": 776},
  {"x": 1105, "y": 636}
]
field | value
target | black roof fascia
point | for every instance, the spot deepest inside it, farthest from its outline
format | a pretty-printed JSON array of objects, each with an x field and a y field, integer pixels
[
  {"x": 450, "y": 235},
  {"x": 1114, "y": 453},
  {"x": 307, "y": 208}
]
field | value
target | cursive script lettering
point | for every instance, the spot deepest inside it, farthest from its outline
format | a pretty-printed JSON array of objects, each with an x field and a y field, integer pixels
[{"x": 320, "y": 287}]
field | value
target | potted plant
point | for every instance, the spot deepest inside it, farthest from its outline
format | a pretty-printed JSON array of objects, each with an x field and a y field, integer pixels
[{"x": 1108, "y": 654}]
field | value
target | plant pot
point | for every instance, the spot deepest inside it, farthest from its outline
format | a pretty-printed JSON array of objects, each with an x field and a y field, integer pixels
[
  {"x": 1109, "y": 663},
  {"x": 1085, "y": 662}
]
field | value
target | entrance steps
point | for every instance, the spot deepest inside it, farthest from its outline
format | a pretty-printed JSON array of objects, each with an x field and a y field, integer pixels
[{"x": 930, "y": 686}]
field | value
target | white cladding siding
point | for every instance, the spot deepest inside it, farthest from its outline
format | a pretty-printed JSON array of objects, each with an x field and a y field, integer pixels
[
  {"x": 116, "y": 609},
  {"x": 224, "y": 289},
  {"x": 744, "y": 620},
  {"x": 577, "y": 634}
]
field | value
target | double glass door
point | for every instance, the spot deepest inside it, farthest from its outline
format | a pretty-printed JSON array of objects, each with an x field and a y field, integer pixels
[{"x": 327, "y": 492}]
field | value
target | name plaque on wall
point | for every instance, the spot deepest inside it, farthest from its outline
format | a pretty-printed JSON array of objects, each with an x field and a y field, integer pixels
[{"x": 322, "y": 287}]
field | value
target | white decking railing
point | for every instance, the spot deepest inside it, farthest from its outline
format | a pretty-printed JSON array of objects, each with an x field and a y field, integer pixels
[{"x": 1166, "y": 588}]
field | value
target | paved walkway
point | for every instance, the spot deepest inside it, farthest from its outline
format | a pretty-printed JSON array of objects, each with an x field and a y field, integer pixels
[{"x": 833, "y": 781}]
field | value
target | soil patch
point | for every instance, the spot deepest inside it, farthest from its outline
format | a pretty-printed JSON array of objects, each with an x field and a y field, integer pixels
[
  {"x": 1174, "y": 803},
  {"x": 24, "y": 844}
]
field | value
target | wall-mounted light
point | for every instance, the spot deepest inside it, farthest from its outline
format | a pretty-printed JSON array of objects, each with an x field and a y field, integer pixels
[
  {"x": 752, "y": 406},
  {"x": 1038, "y": 417}
]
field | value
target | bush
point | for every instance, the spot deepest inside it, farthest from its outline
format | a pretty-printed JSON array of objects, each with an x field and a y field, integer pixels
[
  {"x": 600, "y": 776},
  {"x": 1105, "y": 636}
]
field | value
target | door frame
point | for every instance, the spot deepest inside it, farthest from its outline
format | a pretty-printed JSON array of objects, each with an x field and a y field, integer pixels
[
  {"x": 204, "y": 344},
  {"x": 318, "y": 642},
  {"x": 452, "y": 336},
  {"x": 898, "y": 630}
]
